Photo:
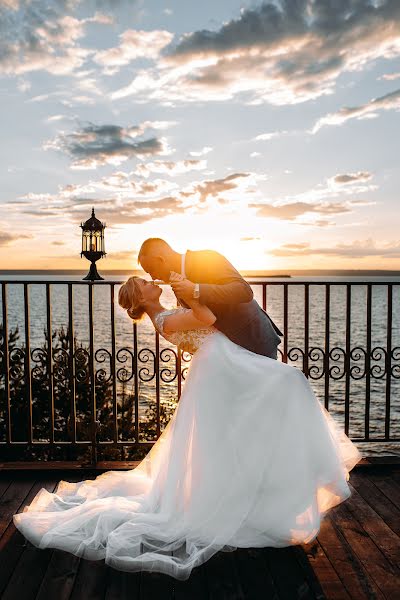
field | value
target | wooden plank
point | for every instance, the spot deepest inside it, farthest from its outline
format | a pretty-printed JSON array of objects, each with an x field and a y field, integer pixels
[
  {"x": 67, "y": 465},
  {"x": 5, "y": 482},
  {"x": 395, "y": 474},
  {"x": 58, "y": 580},
  {"x": 386, "y": 540},
  {"x": 378, "y": 500},
  {"x": 155, "y": 585},
  {"x": 121, "y": 585},
  {"x": 222, "y": 580},
  {"x": 329, "y": 580},
  {"x": 12, "y": 499},
  {"x": 287, "y": 574},
  {"x": 13, "y": 544},
  {"x": 345, "y": 562},
  {"x": 308, "y": 571},
  {"x": 26, "y": 579},
  {"x": 195, "y": 587},
  {"x": 255, "y": 577},
  {"x": 388, "y": 486},
  {"x": 90, "y": 580},
  {"x": 376, "y": 565}
]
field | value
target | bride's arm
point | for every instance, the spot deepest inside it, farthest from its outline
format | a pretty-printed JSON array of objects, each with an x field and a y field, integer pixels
[{"x": 198, "y": 317}]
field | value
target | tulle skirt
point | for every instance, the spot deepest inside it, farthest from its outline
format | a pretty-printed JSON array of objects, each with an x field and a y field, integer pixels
[{"x": 250, "y": 458}]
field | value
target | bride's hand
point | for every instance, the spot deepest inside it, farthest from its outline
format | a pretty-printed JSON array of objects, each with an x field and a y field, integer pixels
[
  {"x": 182, "y": 287},
  {"x": 175, "y": 277}
]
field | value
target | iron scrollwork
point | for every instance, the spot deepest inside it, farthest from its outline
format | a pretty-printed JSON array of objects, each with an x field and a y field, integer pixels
[
  {"x": 123, "y": 373},
  {"x": 378, "y": 371},
  {"x": 186, "y": 357},
  {"x": 101, "y": 355},
  {"x": 356, "y": 371},
  {"x": 82, "y": 357},
  {"x": 316, "y": 372},
  {"x": 40, "y": 371},
  {"x": 17, "y": 370},
  {"x": 167, "y": 374},
  {"x": 145, "y": 355},
  {"x": 395, "y": 369}
]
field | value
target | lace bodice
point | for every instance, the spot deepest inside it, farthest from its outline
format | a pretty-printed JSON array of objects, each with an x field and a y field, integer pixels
[{"x": 188, "y": 341}]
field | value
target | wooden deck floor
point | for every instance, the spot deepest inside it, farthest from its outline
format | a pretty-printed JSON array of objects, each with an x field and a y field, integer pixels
[{"x": 356, "y": 554}]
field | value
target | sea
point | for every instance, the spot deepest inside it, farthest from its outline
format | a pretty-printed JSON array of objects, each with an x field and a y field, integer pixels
[{"x": 275, "y": 308}]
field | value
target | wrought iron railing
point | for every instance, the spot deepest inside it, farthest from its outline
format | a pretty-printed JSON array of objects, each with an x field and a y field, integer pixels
[{"x": 79, "y": 373}]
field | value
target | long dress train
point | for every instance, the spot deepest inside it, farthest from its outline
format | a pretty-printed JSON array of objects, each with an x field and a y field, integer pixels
[{"x": 250, "y": 458}]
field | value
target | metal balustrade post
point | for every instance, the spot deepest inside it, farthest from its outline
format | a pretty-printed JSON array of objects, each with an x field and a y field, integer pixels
[
  {"x": 347, "y": 360},
  {"x": 27, "y": 364},
  {"x": 92, "y": 372},
  {"x": 71, "y": 362},
  {"x": 368, "y": 362},
  {"x": 50, "y": 361},
  {"x": 113, "y": 368},
  {"x": 157, "y": 374},
  {"x": 327, "y": 343},
  {"x": 306, "y": 327},
  {"x": 6, "y": 362},
  {"x": 388, "y": 358},
  {"x": 136, "y": 380},
  {"x": 285, "y": 323}
]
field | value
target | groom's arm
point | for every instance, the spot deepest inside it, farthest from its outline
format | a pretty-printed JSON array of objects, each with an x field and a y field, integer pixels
[{"x": 229, "y": 286}]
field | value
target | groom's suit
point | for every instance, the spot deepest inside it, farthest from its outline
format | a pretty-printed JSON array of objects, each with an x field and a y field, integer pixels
[{"x": 230, "y": 297}]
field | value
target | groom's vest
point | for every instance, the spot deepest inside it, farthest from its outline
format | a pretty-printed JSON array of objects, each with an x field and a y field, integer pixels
[{"x": 230, "y": 297}]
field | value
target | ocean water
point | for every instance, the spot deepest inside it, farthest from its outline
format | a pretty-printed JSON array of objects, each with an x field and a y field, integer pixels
[{"x": 275, "y": 308}]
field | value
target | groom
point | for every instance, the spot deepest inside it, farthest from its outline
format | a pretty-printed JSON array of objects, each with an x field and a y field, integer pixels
[{"x": 212, "y": 279}]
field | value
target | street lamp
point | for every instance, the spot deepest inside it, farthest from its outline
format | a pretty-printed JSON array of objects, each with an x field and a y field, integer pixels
[{"x": 93, "y": 244}]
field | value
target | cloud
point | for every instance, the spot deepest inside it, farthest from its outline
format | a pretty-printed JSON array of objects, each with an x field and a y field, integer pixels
[
  {"x": 119, "y": 183},
  {"x": 370, "y": 109},
  {"x": 98, "y": 145},
  {"x": 134, "y": 44},
  {"x": 113, "y": 211},
  {"x": 281, "y": 52},
  {"x": 170, "y": 167},
  {"x": 215, "y": 187},
  {"x": 390, "y": 76},
  {"x": 125, "y": 254},
  {"x": 357, "y": 249},
  {"x": 123, "y": 200},
  {"x": 7, "y": 238},
  {"x": 292, "y": 210},
  {"x": 130, "y": 212},
  {"x": 202, "y": 152},
  {"x": 269, "y": 136},
  {"x": 322, "y": 199},
  {"x": 350, "y": 178},
  {"x": 38, "y": 35}
]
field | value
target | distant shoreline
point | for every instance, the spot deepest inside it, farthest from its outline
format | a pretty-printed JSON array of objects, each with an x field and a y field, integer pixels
[{"x": 244, "y": 273}]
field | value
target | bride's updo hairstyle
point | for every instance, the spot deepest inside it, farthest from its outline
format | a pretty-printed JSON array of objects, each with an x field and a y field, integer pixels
[{"x": 129, "y": 298}]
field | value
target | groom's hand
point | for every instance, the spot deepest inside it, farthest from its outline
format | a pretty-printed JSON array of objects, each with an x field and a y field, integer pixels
[{"x": 183, "y": 288}]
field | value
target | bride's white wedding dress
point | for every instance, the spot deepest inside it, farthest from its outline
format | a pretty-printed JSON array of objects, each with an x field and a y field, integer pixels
[{"x": 250, "y": 458}]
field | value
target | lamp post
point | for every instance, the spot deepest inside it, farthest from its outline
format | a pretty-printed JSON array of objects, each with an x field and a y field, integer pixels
[{"x": 93, "y": 244}]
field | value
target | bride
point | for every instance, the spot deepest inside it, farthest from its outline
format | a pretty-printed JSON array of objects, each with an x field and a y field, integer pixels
[{"x": 250, "y": 458}]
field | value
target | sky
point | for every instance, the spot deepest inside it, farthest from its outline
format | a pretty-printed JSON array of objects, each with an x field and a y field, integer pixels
[{"x": 268, "y": 131}]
